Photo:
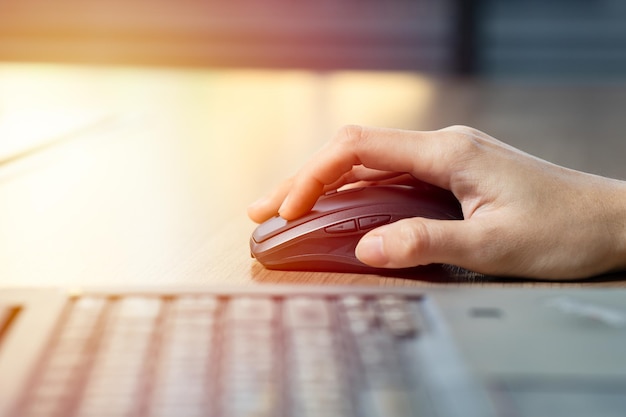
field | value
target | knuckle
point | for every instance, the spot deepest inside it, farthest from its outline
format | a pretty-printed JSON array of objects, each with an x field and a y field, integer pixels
[
  {"x": 350, "y": 135},
  {"x": 464, "y": 140},
  {"x": 414, "y": 241},
  {"x": 464, "y": 130}
]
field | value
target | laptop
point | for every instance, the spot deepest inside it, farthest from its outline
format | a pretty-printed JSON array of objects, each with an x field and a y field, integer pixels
[{"x": 313, "y": 351}]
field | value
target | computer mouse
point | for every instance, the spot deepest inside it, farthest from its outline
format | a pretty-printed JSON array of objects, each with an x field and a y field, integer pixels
[{"x": 325, "y": 239}]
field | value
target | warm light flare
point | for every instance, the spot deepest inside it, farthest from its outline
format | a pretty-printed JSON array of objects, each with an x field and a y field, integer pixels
[{"x": 103, "y": 165}]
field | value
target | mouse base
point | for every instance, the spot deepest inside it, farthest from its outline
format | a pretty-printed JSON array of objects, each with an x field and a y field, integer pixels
[{"x": 433, "y": 272}]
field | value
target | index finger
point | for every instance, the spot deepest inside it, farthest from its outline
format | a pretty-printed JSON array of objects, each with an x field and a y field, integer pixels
[{"x": 421, "y": 154}]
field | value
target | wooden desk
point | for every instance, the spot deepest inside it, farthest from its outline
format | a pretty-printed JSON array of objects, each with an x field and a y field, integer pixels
[{"x": 149, "y": 185}]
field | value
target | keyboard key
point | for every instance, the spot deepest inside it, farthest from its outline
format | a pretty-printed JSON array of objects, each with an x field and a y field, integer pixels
[
  {"x": 379, "y": 361},
  {"x": 41, "y": 407},
  {"x": 84, "y": 314},
  {"x": 359, "y": 314},
  {"x": 352, "y": 301},
  {"x": 397, "y": 317},
  {"x": 196, "y": 305},
  {"x": 395, "y": 403},
  {"x": 321, "y": 400},
  {"x": 259, "y": 398},
  {"x": 306, "y": 312},
  {"x": 321, "y": 338},
  {"x": 251, "y": 309},
  {"x": 181, "y": 409},
  {"x": 138, "y": 307},
  {"x": 186, "y": 392}
]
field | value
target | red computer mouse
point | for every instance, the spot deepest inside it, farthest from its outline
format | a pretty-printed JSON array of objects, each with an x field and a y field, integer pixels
[{"x": 325, "y": 238}]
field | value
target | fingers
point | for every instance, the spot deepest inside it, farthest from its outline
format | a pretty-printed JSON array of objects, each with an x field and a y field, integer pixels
[
  {"x": 361, "y": 174},
  {"x": 373, "y": 154},
  {"x": 426, "y": 155},
  {"x": 267, "y": 206},
  {"x": 419, "y": 241}
]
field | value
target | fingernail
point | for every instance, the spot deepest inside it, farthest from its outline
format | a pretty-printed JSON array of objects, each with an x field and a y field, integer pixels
[{"x": 371, "y": 251}]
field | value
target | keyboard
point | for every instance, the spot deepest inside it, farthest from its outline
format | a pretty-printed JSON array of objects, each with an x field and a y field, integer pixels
[{"x": 298, "y": 354}]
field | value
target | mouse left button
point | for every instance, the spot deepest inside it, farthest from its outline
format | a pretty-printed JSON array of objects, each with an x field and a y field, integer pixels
[{"x": 268, "y": 229}]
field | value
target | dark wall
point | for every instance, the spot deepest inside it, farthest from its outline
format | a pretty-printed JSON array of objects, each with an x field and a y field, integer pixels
[{"x": 551, "y": 39}]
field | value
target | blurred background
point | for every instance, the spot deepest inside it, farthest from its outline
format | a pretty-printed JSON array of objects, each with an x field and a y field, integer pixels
[{"x": 486, "y": 38}]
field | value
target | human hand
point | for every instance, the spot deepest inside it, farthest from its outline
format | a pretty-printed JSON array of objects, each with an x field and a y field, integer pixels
[{"x": 523, "y": 216}]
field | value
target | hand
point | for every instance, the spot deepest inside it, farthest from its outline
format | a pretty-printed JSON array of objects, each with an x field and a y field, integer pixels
[{"x": 523, "y": 216}]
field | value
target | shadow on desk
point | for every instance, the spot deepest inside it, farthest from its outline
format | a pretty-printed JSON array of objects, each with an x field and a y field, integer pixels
[{"x": 420, "y": 276}]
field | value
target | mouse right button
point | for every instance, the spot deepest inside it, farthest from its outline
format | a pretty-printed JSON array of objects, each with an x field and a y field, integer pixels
[{"x": 370, "y": 222}]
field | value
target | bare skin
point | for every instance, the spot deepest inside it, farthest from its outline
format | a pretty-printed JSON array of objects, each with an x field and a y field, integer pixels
[{"x": 524, "y": 216}]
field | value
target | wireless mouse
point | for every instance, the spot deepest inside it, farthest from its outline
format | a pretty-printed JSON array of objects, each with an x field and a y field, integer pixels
[{"x": 326, "y": 237}]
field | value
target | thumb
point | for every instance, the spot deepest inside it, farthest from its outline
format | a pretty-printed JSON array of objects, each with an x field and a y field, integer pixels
[{"x": 416, "y": 241}]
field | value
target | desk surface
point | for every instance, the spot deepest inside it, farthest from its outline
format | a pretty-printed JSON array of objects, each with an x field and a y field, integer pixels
[{"x": 142, "y": 176}]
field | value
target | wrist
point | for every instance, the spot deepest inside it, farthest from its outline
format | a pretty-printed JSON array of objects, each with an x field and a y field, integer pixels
[{"x": 616, "y": 217}]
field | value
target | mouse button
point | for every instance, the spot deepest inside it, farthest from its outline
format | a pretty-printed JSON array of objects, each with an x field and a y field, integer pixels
[
  {"x": 269, "y": 228},
  {"x": 343, "y": 227},
  {"x": 369, "y": 222},
  {"x": 277, "y": 225}
]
